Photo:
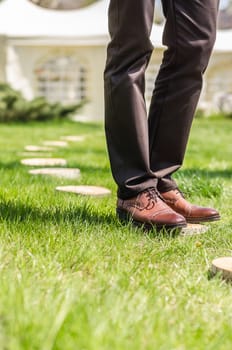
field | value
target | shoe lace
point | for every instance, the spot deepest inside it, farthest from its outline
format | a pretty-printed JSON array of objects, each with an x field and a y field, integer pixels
[{"x": 153, "y": 196}]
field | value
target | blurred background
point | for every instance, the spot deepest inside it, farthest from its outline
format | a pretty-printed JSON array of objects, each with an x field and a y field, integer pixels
[{"x": 55, "y": 50}]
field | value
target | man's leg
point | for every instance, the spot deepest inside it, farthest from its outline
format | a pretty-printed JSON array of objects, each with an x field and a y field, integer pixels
[
  {"x": 189, "y": 35},
  {"x": 130, "y": 23}
]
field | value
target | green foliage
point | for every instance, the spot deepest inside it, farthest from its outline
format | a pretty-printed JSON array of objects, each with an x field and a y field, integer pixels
[
  {"x": 15, "y": 108},
  {"x": 228, "y": 115},
  {"x": 200, "y": 113}
]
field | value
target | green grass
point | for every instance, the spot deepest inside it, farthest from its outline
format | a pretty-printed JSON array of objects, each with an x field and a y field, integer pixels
[{"x": 73, "y": 278}]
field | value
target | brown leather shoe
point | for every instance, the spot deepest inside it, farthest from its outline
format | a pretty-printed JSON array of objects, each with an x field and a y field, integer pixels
[
  {"x": 192, "y": 213},
  {"x": 149, "y": 210}
]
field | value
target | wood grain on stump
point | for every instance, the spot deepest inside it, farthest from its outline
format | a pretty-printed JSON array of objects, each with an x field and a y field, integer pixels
[{"x": 223, "y": 266}]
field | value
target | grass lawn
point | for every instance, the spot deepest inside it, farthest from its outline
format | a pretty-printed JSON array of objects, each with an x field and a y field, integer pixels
[{"x": 73, "y": 278}]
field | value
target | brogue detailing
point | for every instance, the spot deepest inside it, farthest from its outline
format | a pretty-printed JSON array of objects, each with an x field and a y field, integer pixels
[
  {"x": 149, "y": 207},
  {"x": 152, "y": 197},
  {"x": 161, "y": 211},
  {"x": 144, "y": 201}
]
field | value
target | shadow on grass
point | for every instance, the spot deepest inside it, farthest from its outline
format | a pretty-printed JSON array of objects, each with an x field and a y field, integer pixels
[
  {"x": 10, "y": 165},
  {"x": 15, "y": 211},
  {"x": 18, "y": 212}
]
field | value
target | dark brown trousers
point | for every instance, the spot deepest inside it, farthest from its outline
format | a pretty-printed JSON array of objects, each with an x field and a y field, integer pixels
[{"x": 146, "y": 148}]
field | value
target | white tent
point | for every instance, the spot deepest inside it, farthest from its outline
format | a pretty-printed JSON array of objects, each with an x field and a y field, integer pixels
[
  {"x": 224, "y": 41},
  {"x": 21, "y": 18}
]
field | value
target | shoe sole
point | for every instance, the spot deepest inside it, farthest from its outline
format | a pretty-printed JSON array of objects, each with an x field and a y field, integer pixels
[
  {"x": 126, "y": 217},
  {"x": 202, "y": 219}
]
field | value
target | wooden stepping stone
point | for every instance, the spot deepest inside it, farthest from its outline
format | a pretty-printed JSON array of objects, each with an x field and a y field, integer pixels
[
  {"x": 55, "y": 143},
  {"x": 85, "y": 190},
  {"x": 69, "y": 173},
  {"x": 73, "y": 138},
  {"x": 35, "y": 154},
  {"x": 44, "y": 161},
  {"x": 194, "y": 229},
  {"x": 223, "y": 266},
  {"x": 32, "y": 148}
]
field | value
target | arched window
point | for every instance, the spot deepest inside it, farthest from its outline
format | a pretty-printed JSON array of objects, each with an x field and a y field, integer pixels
[{"x": 61, "y": 79}]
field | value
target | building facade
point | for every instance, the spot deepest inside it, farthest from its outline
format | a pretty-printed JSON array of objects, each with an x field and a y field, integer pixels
[{"x": 61, "y": 55}]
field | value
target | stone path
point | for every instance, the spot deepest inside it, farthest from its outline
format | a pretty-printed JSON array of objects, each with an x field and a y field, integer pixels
[
  {"x": 85, "y": 190},
  {"x": 73, "y": 138},
  {"x": 69, "y": 173},
  {"x": 194, "y": 229},
  {"x": 44, "y": 162},
  {"x": 222, "y": 266},
  {"x": 56, "y": 143},
  {"x": 36, "y": 154},
  {"x": 33, "y": 148}
]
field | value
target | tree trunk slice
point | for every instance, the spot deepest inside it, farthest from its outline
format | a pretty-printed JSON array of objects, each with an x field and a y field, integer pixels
[
  {"x": 33, "y": 148},
  {"x": 85, "y": 190},
  {"x": 223, "y": 266},
  {"x": 68, "y": 173},
  {"x": 194, "y": 229},
  {"x": 44, "y": 162}
]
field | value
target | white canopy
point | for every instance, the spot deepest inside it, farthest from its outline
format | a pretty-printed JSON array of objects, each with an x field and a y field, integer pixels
[
  {"x": 22, "y": 19},
  {"x": 224, "y": 41}
]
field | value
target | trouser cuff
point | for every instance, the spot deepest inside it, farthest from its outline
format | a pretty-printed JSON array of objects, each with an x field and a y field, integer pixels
[{"x": 166, "y": 184}]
